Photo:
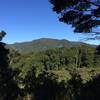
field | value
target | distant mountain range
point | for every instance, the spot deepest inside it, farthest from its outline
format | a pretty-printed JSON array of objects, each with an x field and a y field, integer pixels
[{"x": 44, "y": 44}]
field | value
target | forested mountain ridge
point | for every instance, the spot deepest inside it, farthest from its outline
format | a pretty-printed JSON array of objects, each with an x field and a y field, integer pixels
[
  {"x": 63, "y": 71},
  {"x": 44, "y": 44},
  {"x": 54, "y": 72}
]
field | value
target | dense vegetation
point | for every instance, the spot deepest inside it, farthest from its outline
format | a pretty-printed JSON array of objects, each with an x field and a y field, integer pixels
[
  {"x": 54, "y": 74},
  {"x": 50, "y": 70},
  {"x": 56, "y": 59},
  {"x": 57, "y": 74},
  {"x": 61, "y": 71}
]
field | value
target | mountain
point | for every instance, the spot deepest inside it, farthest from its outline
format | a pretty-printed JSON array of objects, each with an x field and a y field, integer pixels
[{"x": 44, "y": 44}]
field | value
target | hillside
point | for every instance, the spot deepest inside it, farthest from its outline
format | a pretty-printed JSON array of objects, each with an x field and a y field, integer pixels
[
  {"x": 44, "y": 44},
  {"x": 66, "y": 67}
]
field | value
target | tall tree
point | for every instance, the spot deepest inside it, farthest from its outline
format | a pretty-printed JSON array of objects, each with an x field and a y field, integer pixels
[
  {"x": 83, "y": 15},
  {"x": 8, "y": 88}
]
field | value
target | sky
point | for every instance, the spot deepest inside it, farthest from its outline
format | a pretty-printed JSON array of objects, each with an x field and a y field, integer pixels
[{"x": 26, "y": 20}]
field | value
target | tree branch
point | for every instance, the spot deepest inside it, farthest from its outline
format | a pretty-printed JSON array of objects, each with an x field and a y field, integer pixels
[{"x": 93, "y": 3}]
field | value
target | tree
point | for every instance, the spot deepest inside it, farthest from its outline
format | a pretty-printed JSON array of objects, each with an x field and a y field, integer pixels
[
  {"x": 98, "y": 50},
  {"x": 97, "y": 56},
  {"x": 91, "y": 89},
  {"x": 8, "y": 87},
  {"x": 83, "y": 15},
  {"x": 74, "y": 86},
  {"x": 2, "y": 34}
]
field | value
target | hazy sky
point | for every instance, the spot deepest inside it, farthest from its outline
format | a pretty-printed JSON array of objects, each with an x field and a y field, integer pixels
[{"x": 26, "y": 20}]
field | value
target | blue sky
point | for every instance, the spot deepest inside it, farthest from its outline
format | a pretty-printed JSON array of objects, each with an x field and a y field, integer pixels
[{"x": 26, "y": 20}]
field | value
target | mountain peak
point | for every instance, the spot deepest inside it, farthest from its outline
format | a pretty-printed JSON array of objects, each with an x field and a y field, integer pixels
[{"x": 44, "y": 44}]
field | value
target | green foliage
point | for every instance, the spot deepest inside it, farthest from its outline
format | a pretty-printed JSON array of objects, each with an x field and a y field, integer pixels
[
  {"x": 56, "y": 59},
  {"x": 54, "y": 74}
]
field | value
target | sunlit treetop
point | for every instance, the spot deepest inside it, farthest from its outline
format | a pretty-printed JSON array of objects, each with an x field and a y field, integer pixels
[{"x": 83, "y": 15}]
